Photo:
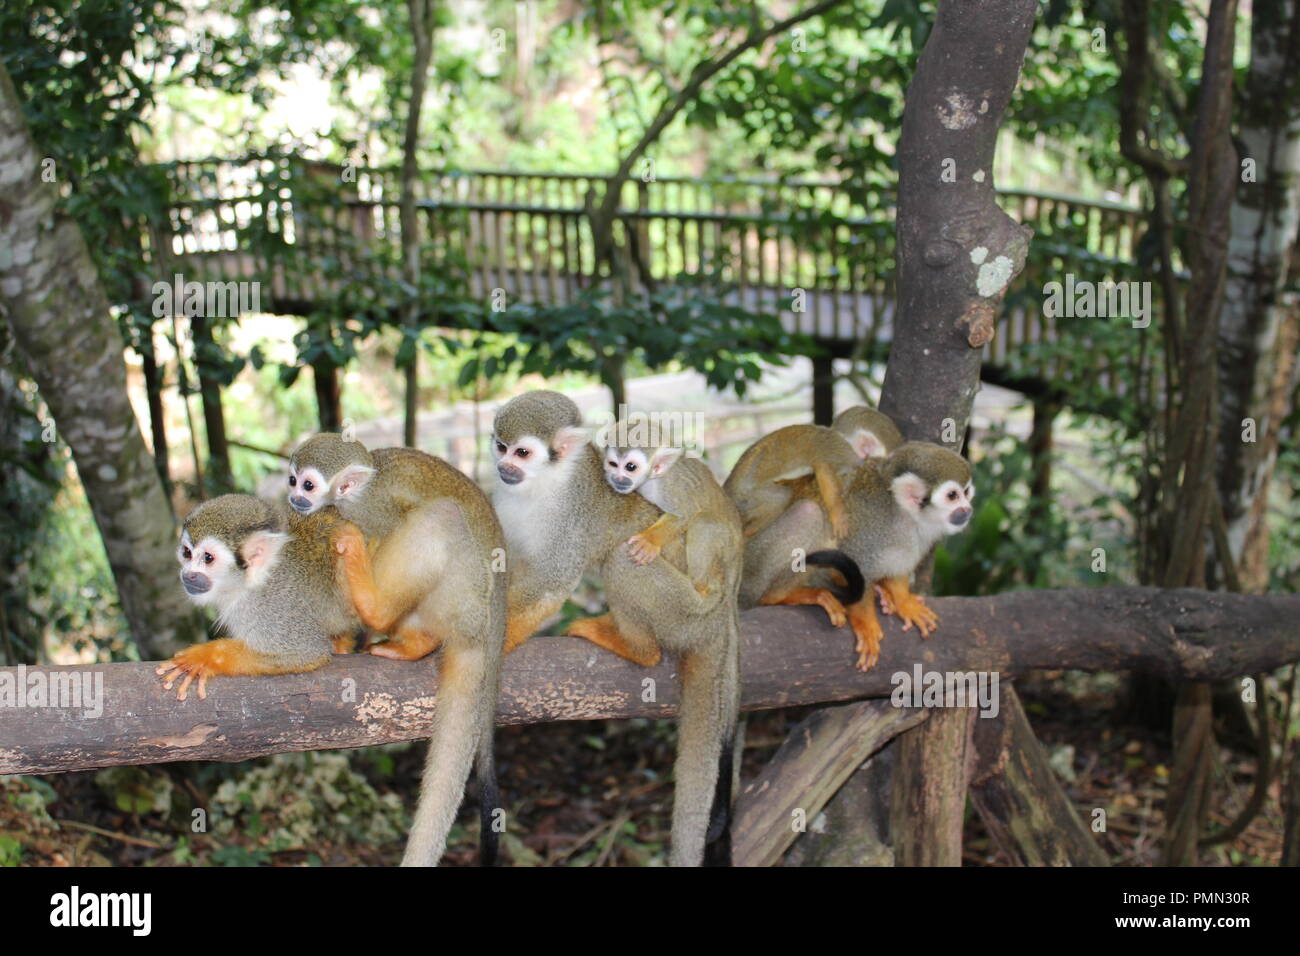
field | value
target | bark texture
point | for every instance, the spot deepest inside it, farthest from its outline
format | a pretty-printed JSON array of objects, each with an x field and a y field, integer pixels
[
  {"x": 790, "y": 657},
  {"x": 957, "y": 254},
  {"x": 52, "y": 299}
]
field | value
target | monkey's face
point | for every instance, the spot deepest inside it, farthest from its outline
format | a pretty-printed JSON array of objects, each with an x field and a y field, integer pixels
[
  {"x": 940, "y": 510},
  {"x": 523, "y": 459},
  {"x": 212, "y": 572},
  {"x": 949, "y": 509},
  {"x": 206, "y": 568},
  {"x": 308, "y": 490},
  {"x": 626, "y": 469}
]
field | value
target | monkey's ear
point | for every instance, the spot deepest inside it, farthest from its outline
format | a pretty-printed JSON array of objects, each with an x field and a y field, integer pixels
[
  {"x": 866, "y": 444},
  {"x": 260, "y": 551},
  {"x": 568, "y": 440},
  {"x": 353, "y": 479},
  {"x": 663, "y": 459},
  {"x": 910, "y": 491}
]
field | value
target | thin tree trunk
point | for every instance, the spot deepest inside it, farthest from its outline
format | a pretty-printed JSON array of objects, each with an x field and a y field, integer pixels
[
  {"x": 157, "y": 417},
  {"x": 60, "y": 317},
  {"x": 1257, "y": 330},
  {"x": 957, "y": 254},
  {"x": 329, "y": 409},
  {"x": 421, "y": 13},
  {"x": 214, "y": 417},
  {"x": 1188, "y": 494}
]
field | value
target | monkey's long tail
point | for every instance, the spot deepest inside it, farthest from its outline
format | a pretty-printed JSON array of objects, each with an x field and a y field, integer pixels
[
  {"x": 485, "y": 772},
  {"x": 854, "y": 584},
  {"x": 457, "y": 727},
  {"x": 701, "y": 831}
]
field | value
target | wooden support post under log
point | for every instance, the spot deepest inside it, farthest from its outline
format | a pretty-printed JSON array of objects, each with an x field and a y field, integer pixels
[
  {"x": 813, "y": 763},
  {"x": 790, "y": 656},
  {"x": 1016, "y": 793}
]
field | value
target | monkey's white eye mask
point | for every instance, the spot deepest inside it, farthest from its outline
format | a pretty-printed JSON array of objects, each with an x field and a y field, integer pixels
[
  {"x": 530, "y": 457},
  {"x": 308, "y": 490},
  {"x": 210, "y": 571}
]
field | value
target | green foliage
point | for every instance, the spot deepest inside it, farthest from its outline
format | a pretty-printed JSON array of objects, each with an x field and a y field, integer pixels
[
  {"x": 304, "y": 799},
  {"x": 689, "y": 321},
  {"x": 137, "y": 790}
]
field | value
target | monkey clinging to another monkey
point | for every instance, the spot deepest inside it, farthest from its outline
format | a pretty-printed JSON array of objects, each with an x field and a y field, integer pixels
[
  {"x": 422, "y": 553},
  {"x": 894, "y": 510},
  {"x": 562, "y": 519}
]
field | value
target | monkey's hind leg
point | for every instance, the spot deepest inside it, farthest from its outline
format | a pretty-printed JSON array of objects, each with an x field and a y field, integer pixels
[
  {"x": 828, "y": 486},
  {"x": 603, "y": 632},
  {"x": 231, "y": 657},
  {"x": 898, "y": 599},
  {"x": 523, "y": 621},
  {"x": 407, "y": 644},
  {"x": 376, "y": 610},
  {"x": 801, "y": 597}
]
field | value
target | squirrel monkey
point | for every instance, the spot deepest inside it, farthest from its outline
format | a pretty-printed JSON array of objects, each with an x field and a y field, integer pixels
[
  {"x": 562, "y": 519},
  {"x": 898, "y": 508},
  {"x": 693, "y": 504},
  {"x": 419, "y": 551},
  {"x": 271, "y": 577},
  {"x": 760, "y": 483}
]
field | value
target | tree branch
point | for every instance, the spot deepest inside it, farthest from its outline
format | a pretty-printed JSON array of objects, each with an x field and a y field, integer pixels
[{"x": 791, "y": 656}]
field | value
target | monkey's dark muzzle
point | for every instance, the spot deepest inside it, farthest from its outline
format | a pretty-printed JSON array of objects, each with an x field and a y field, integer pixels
[
  {"x": 510, "y": 474},
  {"x": 621, "y": 485},
  {"x": 300, "y": 504},
  {"x": 960, "y": 517},
  {"x": 195, "y": 583}
]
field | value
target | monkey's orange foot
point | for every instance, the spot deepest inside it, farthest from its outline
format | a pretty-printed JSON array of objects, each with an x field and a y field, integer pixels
[
  {"x": 911, "y": 609},
  {"x": 642, "y": 550},
  {"x": 200, "y": 661},
  {"x": 349, "y": 541},
  {"x": 343, "y": 643},
  {"x": 867, "y": 631},
  {"x": 406, "y": 645},
  {"x": 805, "y": 596},
  {"x": 602, "y": 632}
]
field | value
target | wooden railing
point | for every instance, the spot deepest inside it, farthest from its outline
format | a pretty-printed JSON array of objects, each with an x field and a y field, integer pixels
[{"x": 528, "y": 236}]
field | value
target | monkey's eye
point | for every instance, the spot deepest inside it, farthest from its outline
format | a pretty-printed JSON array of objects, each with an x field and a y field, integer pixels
[
  {"x": 952, "y": 495},
  {"x": 292, "y": 481},
  {"x": 186, "y": 553},
  {"x": 522, "y": 452},
  {"x": 613, "y": 464},
  {"x": 207, "y": 557},
  {"x": 630, "y": 467},
  {"x": 308, "y": 486},
  {"x": 501, "y": 447}
]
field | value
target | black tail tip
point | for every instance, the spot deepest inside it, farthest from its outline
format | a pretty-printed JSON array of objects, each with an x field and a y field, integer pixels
[{"x": 855, "y": 586}]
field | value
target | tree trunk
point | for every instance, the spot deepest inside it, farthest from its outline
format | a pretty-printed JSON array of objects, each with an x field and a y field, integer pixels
[
  {"x": 60, "y": 318},
  {"x": 421, "y": 14},
  {"x": 220, "y": 478},
  {"x": 1257, "y": 329},
  {"x": 157, "y": 417},
  {"x": 957, "y": 253},
  {"x": 1188, "y": 493},
  {"x": 329, "y": 409}
]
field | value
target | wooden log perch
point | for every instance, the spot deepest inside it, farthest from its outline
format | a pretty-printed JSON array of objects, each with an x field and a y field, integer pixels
[{"x": 790, "y": 656}]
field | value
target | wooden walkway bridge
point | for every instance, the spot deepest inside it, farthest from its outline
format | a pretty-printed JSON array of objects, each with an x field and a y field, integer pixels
[{"x": 303, "y": 229}]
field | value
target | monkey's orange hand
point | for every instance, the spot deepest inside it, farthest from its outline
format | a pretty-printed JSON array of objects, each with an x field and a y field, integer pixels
[
  {"x": 642, "y": 550},
  {"x": 201, "y": 661},
  {"x": 897, "y": 598}
]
